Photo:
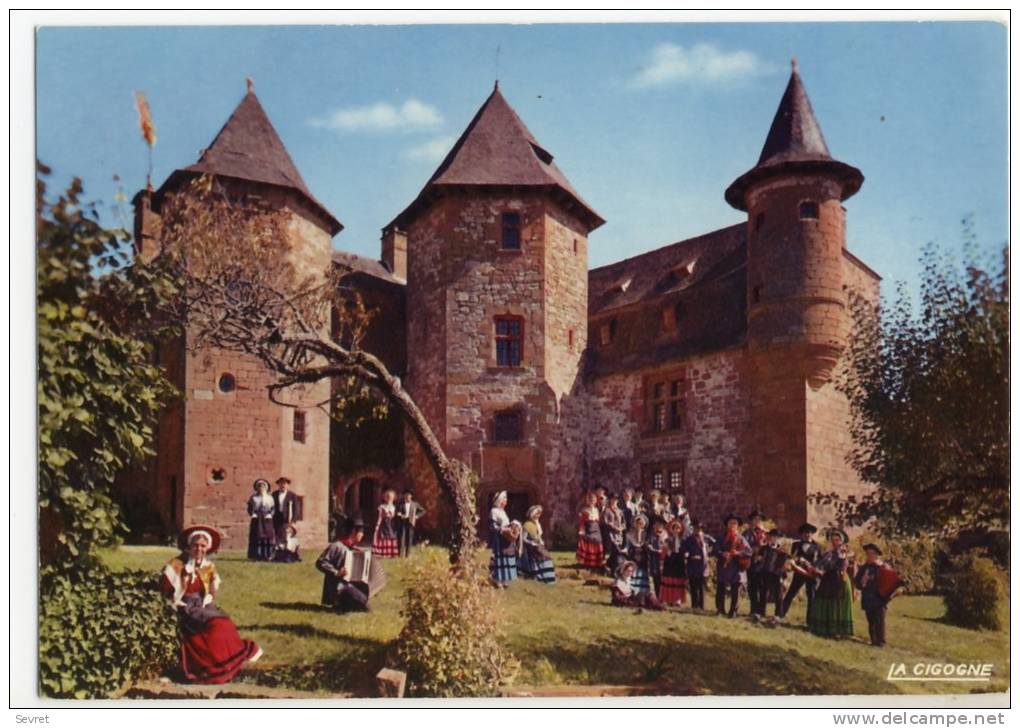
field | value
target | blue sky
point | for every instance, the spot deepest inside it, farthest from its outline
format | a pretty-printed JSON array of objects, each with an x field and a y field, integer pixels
[{"x": 649, "y": 122}]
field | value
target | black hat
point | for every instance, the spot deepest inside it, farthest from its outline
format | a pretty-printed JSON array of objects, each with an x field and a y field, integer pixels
[
  {"x": 283, "y": 479},
  {"x": 755, "y": 514},
  {"x": 408, "y": 491},
  {"x": 776, "y": 532},
  {"x": 833, "y": 531},
  {"x": 733, "y": 517},
  {"x": 807, "y": 528},
  {"x": 356, "y": 524},
  {"x": 695, "y": 523},
  {"x": 872, "y": 547}
]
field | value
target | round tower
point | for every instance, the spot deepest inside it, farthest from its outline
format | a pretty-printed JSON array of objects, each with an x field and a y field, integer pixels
[{"x": 795, "y": 240}]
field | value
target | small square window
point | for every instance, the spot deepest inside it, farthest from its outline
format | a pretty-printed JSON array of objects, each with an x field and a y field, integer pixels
[
  {"x": 508, "y": 426},
  {"x": 227, "y": 383},
  {"x": 675, "y": 479},
  {"x": 657, "y": 480},
  {"x": 511, "y": 239},
  {"x": 809, "y": 210}
]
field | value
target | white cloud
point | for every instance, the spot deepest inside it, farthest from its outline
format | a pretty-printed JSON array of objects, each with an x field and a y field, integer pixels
[
  {"x": 431, "y": 151},
  {"x": 409, "y": 116},
  {"x": 701, "y": 63}
]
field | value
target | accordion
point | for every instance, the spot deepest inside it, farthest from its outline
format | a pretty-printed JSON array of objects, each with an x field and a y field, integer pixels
[
  {"x": 887, "y": 581},
  {"x": 364, "y": 571}
]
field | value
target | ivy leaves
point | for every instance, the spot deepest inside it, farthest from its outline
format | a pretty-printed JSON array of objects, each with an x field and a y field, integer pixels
[{"x": 99, "y": 390}]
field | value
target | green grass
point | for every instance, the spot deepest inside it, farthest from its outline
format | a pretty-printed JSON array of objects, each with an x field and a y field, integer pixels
[{"x": 568, "y": 634}]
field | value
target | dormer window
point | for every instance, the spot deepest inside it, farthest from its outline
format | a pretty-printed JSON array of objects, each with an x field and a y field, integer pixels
[
  {"x": 607, "y": 332},
  {"x": 511, "y": 238},
  {"x": 808, "y": 210},
  {"x": 670, "y": 318}
]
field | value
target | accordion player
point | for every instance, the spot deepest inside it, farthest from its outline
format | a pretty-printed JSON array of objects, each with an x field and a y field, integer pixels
[{"x": 351, "y": 575}]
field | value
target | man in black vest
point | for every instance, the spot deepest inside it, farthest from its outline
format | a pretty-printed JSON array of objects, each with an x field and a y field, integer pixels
[
  {"x": 284, "y": 510},
  {"x": 804, "y": 551}
]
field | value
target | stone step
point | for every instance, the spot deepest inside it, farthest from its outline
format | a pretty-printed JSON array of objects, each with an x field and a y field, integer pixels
[{"x": 166, "y": 690}]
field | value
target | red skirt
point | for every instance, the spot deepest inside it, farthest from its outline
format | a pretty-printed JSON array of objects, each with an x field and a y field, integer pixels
[
  {"x": 674, "y": 590},
  {"x": 216, "y": 654},
  {"x": 589, "y": 553},
  {"x": 385, "y": 547}
]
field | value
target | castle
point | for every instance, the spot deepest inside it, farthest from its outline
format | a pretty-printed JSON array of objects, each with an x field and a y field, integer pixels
[{"x": 705, "y": 366}]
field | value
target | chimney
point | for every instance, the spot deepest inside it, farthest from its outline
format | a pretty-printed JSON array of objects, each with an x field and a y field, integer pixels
[
  {"x": 394, "y": 251},
  {"x": 146, "y": 226}
]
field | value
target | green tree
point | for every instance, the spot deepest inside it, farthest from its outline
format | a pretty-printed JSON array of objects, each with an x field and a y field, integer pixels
[
  {"x": 99, "y": 391},
  {"x": 929, "y": 396}
]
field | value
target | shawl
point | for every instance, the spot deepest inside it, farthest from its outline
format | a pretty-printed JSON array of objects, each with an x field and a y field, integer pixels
[{"x": 182, "y": 570}]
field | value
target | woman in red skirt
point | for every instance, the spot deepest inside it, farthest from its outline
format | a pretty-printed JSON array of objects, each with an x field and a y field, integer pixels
[
  {"x": 211, "y": 649},
  {"x": 674, "y": 568},
  {"x": 384, "y": 542},
  {"x": 589, "y": 534}
]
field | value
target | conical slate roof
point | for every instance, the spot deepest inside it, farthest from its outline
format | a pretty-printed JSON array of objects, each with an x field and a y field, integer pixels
[
  {"x": 497, "y": 150},
  {"x": 249, "y": 148},
  {"x": 794, "y": 144}
]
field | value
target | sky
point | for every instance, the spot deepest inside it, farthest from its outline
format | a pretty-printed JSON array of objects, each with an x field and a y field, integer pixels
[{"x": 650, "y": 122}]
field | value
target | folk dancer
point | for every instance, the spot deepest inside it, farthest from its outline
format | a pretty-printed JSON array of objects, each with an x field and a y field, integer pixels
[
  {"x": 289, "y": 551},
  {"x": 874, "y": 598},
  {"x": 261, "y": 533},
  {"x": 831, "y": 613},
  {"x": 629, "y": 506},
  {"x": 774, "y": 560},
  {"x": 697, "y": 548},
  {"x": 805, "y": 551},
  {"x": 285, "y": 507},
  {"x": 733, "y": 556},
  {"x": 535, "y": 562},
  {"x": 635, "y": 547},
  {"x": 408, "y": 513},
  {"x": 384, "y": 541},
  {"x": 656, "y": 547},
  {"x": 211, "y": 650},
  {"x": 589, "y": 534},
  {"x": 626, "y": 594},
  {"x": 615, "y": 523},
  {"x": 674, "y": 568},
  {"x": 337, "y": 592},
  {"x": 756, "y": 537},
  {"x": 678, "y": 509},
  {"x": 503, "y": 567}
]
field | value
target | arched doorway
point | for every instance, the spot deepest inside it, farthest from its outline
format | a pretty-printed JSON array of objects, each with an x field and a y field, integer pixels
[{"x": 362, "y": 498}]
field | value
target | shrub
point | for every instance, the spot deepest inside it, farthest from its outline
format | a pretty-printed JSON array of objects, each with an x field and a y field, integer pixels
[
  {"x": 914, "y": 559},
  {"x": 452, "y": 642},
  {"x": 975, "y": 593},
  {"x": 97, "y": 633}
]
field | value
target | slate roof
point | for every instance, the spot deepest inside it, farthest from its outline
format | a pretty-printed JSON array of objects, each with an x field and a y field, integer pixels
[
  {"x": 368, "y": 266},
  {"x": 497, "y": 150},
  {"x": 794, "y": 144},
  {"x": 249, "y": 148},
  {"x": 682, "y": 266},
  {"x": 705, "y": 277}
]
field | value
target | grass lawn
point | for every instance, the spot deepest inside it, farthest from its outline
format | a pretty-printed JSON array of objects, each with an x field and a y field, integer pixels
[{"x": 567, "y": 634}]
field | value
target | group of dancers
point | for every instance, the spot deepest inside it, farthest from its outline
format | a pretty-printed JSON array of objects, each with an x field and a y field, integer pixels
[{"x": 661, "y": 557}]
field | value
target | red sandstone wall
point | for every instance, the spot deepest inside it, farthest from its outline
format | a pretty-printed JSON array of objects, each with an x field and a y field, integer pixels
[
  {"x": 459, "y": 280},
  {"x": 708, "y": 447}
]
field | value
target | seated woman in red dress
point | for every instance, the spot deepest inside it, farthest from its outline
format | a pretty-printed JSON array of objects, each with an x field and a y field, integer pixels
[{"x": 211, "y": 649}]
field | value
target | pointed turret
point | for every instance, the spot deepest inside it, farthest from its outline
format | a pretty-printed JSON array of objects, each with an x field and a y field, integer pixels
[
  {"x": 248, "y": 148},
  {"x": 794, "y": 145},
  {"x": 497, "y": 150}
]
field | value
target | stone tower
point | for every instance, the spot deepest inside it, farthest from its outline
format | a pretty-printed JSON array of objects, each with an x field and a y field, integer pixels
[
  {"x": 497, "y": 311},
  {"x": 226, "y": 433},
  {"x": 796, "y": 302}
]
